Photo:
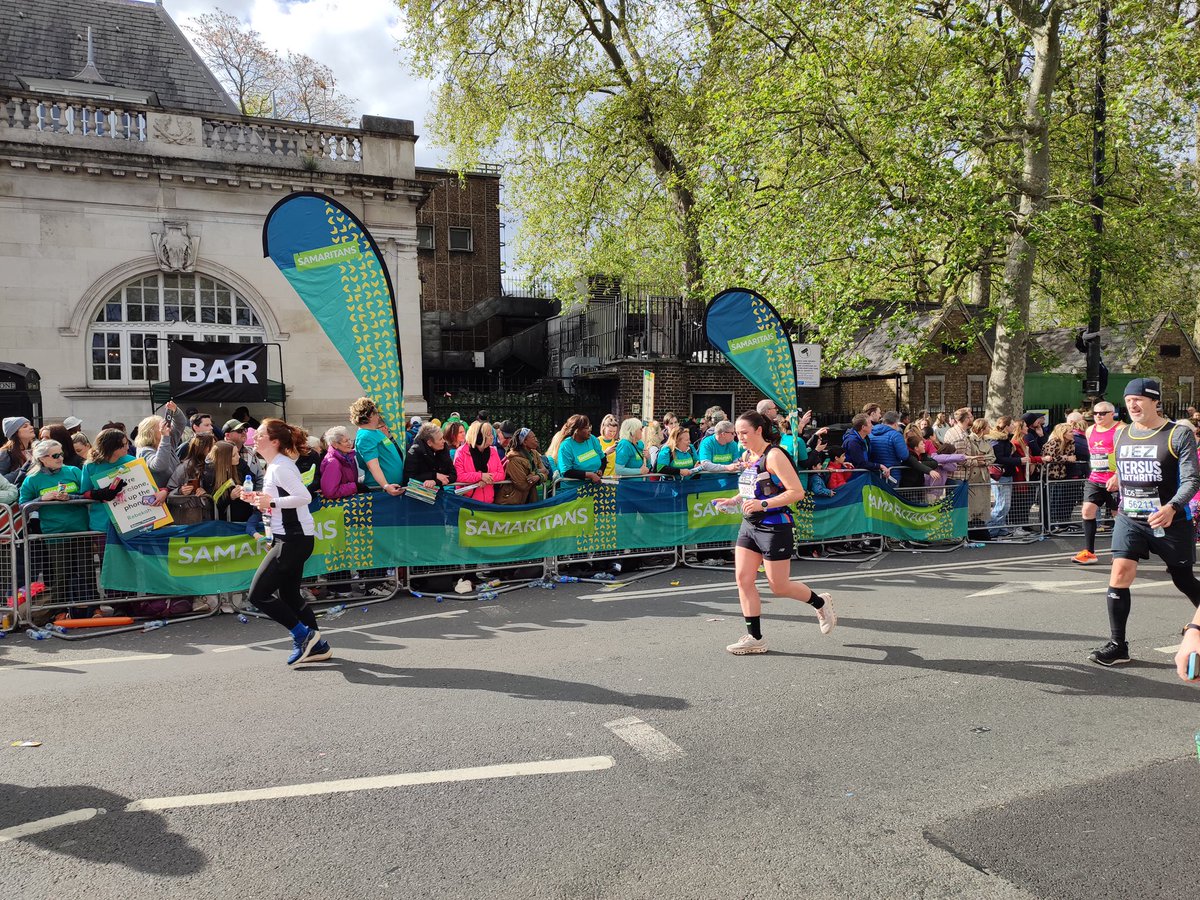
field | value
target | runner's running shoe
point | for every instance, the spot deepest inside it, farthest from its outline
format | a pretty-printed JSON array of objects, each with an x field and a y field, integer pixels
[
  {"x": 826, "y": 617},
  {"x": 321, "y": 652},
  {"x": 748, "y": 645},
  {"x": 302, "y": 649},
  {"x": 1111, "y": 654},
  {"x": 1085, "y": 558}
]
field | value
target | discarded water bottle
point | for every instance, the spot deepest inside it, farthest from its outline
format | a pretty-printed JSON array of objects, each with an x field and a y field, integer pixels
[
  {"x": 155, "y": 624},
  {"x": 416, "y": 594},
  {"x": 566, "y": 579},
  {"x": 334, "y": 611},
  {"x": 37, "y": 634},
  {"x": 242, "y": 618},
  {"x": 978, "y": 545},
  {"x": 494, "y": 583},
  {"x": 439, "y": 598},
  {"x": 488, "y": 595}
]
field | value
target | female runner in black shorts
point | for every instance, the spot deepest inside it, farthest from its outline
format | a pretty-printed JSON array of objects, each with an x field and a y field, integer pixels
[{"x": 766, "y": 489}]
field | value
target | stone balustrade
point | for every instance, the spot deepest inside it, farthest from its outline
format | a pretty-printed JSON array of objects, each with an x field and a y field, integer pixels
[{"x": 27, "y": 118}]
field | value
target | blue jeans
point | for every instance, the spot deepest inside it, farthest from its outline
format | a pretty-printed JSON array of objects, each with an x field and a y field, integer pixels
[{"x": 1001, "y": 500}]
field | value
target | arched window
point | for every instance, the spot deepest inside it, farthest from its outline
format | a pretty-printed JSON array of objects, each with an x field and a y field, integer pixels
[{"x": 129, "y": 334}]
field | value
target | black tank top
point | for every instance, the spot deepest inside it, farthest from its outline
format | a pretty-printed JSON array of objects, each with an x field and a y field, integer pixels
[{"x": 1148, "y": 468}]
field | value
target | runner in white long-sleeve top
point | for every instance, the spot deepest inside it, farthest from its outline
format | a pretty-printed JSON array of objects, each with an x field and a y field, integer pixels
[{"x": 276, "y": 585}]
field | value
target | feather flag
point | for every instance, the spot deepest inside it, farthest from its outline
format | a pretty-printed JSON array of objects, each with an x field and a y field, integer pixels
[
  {"x": 330, "y": 259},
  {"x": 748, "y": 330}
]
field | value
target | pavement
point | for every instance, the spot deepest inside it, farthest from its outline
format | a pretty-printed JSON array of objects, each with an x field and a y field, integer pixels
[{"x": 947, "y": 740}]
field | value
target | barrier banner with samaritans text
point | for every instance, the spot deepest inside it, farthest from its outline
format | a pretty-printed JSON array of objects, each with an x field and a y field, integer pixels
[{"x": 374, "y": 530}]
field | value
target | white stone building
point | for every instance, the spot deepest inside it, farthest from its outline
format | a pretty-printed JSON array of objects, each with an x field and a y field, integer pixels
[{"x": 105, "y": 162}]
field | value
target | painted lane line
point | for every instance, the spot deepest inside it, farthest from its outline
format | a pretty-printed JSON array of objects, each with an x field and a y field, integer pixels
[
  {"x": 70, "y": 664},
  {"x": 375, "y": 783},
  {"x": 357, "y": 628},
  {"x": 16, "y": 832},
  {"x": 1012, "y": 587},
  {"x": 1171, "y": 651},
  {"x": 828, "y": 576},
  {"x": 645, "y": 739}
]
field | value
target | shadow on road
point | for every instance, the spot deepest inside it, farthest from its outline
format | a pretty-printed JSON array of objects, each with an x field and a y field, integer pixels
[
  {"x": 971, "y": 630},
  {"x": 523, "y": 687},
  {"x": 1072, "y": 679},
  {"x": 140, "y": 841}
]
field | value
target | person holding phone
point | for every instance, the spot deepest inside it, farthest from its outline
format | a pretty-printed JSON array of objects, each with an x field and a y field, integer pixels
[
  {"x": 767, "y": 488},
  {"x": 275, "y": 588}
]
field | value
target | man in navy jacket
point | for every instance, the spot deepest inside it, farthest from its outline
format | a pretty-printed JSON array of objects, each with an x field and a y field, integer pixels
[{"x": 854, "y": 442}]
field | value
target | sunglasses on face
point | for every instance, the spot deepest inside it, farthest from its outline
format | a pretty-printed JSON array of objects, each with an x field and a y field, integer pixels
[{"x": 53, "y": 456}]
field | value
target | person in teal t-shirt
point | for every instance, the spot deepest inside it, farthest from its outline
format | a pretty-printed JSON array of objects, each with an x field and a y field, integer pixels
[
  {"x": 676, "y": 457},
  {"x": 49, "y": 481},
  {"x": 65, "y": 562},
  {"x": 630, "y": 457},
  {"x": 580, "y": 455},
  {"x": 377, "y": 453},
  {"x": 109, "y": 452},
  {"x": 720, "y": 450}
]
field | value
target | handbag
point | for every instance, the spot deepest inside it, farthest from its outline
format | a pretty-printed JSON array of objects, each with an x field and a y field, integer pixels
[
  {"x": 996, "y": 472},
  {"x": 190, "y": 509}
]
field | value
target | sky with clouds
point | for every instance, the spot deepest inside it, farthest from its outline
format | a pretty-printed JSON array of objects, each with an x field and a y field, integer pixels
[{"x": 355, "y": 38}]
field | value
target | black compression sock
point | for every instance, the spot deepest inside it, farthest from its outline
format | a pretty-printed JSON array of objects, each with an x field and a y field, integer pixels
[
  {"x": 1118, "y": 612},
  {"x": 753, "y": 626},
  {"x": 1089, "y": 535},
  {"x": 815, "y": 601}
]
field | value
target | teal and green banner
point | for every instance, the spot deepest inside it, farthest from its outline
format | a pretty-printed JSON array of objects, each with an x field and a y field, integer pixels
[
  {"x": 330, "y": 259},
  {"x": 375, "y": 530},
  {"x": 747, "y": 329}
]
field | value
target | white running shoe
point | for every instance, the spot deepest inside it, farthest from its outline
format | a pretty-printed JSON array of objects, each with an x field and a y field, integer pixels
[
  {"x": 826, "y": 617},
  {"x": 747, "y": 645}
]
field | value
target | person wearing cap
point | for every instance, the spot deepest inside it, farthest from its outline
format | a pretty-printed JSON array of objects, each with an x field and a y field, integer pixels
[
  {"x": 50, "y": 484},
  {"x": 1156, "y": 475},
  {"x": 505, "y": 432},
  {"x": 1100, "y": 437},
  {"x": 73, "y": 424},
  {"x": 19, "y": 436},
  {"x": 251, "y": 464},
  {"x": 414, "y": 425}
]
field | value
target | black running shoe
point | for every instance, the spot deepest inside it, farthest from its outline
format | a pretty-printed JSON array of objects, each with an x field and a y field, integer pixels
[{"x": 1111, "y": 654}]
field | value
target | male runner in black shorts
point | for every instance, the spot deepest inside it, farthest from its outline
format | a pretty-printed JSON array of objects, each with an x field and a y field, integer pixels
[{"x": 1157, "y": 474}]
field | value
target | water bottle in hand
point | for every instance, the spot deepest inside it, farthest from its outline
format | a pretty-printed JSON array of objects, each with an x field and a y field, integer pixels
[{"x": 248, "y": 484}]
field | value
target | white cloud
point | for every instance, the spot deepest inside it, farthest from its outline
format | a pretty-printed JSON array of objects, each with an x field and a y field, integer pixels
[{"x": 355, "y": 38}]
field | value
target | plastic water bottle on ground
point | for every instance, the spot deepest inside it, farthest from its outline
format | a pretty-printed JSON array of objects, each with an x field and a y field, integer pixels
[
  {"x": 152, "y": 626},
  {"x": 566, "y": 579},
  {"x": 37, "y": 634},
  {"x": 242, "y": 618},
  {"x": 334, "y": 611},
  {"x": 488, "y": 595},
  {"x": 494, "y": 583}
]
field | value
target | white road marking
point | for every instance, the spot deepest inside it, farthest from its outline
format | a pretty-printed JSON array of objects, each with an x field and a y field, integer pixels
[
  {"x": 645, "y": 739},
  {"x": 378, "y": 782},
  {"x": 1038, "y": 586},
  {"x": 364, "y": 627},
  {"x": 1172, "y": 650},
  {"x": 17, "y": 832},
  {"x": 72, "y": 663},
  {"x": 808, "y": 578}
]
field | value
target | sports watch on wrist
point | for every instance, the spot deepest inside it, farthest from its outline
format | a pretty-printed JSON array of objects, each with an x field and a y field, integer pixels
[
  {"x": 1189, "y": 627},
  {"x": 764, "y": 504}
]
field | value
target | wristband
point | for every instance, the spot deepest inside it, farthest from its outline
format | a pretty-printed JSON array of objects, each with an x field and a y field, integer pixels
[{"x": 1190, "y": 626}]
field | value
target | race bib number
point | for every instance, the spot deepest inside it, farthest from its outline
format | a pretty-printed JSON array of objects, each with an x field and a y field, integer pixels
[
  {"x": 746, "y": 484},
  {"x": 1099, "y": 462},
  {"x": 1139, "y": 507}
]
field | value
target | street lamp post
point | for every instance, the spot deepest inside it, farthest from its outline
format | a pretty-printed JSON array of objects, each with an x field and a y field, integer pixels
[{"x": 1099, "y": 117}]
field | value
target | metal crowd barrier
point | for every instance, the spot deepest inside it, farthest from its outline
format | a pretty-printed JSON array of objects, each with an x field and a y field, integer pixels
[
  {"x": 10, "y": 552},
  {"x": 69, "y": 565},
  {"x": 929, "y": 495},
  {"x": 616, "y": 558}
]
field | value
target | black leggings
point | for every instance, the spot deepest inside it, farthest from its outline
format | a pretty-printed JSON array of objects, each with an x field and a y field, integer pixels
[{"x": 276, "y": 585}]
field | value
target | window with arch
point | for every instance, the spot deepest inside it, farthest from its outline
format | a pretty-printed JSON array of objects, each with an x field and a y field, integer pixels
[{"x": 129, "y": 333}]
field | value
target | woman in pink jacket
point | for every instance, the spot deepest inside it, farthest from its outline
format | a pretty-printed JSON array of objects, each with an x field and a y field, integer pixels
[{"x": 478, "y": 462}]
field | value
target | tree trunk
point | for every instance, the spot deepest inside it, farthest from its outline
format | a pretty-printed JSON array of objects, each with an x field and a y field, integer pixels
[{"x": 1006, "y": 387}]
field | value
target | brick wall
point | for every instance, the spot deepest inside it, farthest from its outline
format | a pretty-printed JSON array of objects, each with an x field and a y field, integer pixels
[
  {"x": 455, "y": 280},
  {"x": 675, "y": 384},
  {"x": 1170, "y": 368}
]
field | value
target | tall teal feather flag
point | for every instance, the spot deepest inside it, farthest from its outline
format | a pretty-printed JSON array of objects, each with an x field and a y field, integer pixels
[
  {"x": 748, "y": 330},
  {"x": 330, "y": 259}
]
